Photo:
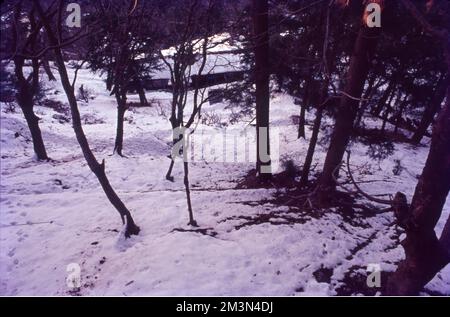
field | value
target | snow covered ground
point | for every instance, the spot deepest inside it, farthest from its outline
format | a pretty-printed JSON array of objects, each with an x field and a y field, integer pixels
[{"x": 53, "y": 214}]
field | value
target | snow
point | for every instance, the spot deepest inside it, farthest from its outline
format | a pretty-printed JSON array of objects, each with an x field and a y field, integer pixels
[
  {"x": 219, "y": 58},
  {"x": 54, "y": 213}
]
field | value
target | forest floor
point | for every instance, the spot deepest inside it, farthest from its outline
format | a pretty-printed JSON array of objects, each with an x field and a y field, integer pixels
[{"x": 249, "y": 240}]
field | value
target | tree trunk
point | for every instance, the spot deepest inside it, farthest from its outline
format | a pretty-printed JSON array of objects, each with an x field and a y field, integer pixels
[
  {"x": 141, "y": 92},
  {"x": 260, "y": 21},
  {"x": 315, "y": 136},
  {"x": 48, "y": 71},
  {"x": 97, "y": 168},
  {"x": 368, "y": 93},
  {"x": 359, "y": 67},
  {"x": 24, "y": 97},
  {"x": 192, "y": 222},
  {"x": 177, "y": 90},
  {"x": 121, "y": 108},
  {"x": 382, "y": 102},
  {"x": 303, "y": 106},
  {"x": 429, "y": 112},
  {"x": 387, "y": 111},
  {"x": 312, "y": 146},
  {"x": 302, "y": 121},
  {"x": 35, "y": 131},
  {"x": 425, "y": 255},
  {"x": 398, "y": 117}
]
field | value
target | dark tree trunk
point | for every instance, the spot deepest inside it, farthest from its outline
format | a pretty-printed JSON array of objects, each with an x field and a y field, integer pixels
[
  {"x": 315, "y": 136},
  {"x": 121, "y": 109},
  {"x": 359, "y": 67},
  {"x": 425, "y": 255},
  {"x": 311, "y": 148},
  {"x": 48, "y": 71},
  {"x": 175, "y": 121},
  {"x": 192, "y": 222},
  {"x": 36, "y": 135},
  {"x": 429, "y": 112},
  {"x": 25, "y": 95},
  {"x": 303, "y": 106},
  {"x": 302, "y": 121},
  {"x": 382, "y": 102},
  {"x": 398, "y": 117},
  {"x": 387, "y": 111},
  {"x": 141, "y": 92},
  {"x": 97, "y": 168},
  {"x": 169, "y": 176},
  {"x": 368, "y": 93},
  {"x": 260, "y": 21}
]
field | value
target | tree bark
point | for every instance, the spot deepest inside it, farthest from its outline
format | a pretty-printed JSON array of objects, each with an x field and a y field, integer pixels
[
  {"x": 302, "y": 122},
  {"x": 303, "y": 106},
  {"x": 359, "y": 67},
  {"x": 121, "y": 109},
  {"x": 368, "y": 93},
  {"x": 315, "y": 136},
  {"x": 141, "y": 92},
  {"x": 97, "y": 168},
  {"x": 48, "y": 71},
  {"x": 260, "y": 22},
  {"x": 192, "y": 222},
  {"x": 36, "y": 135},
  {"x": 24, "y": 97}
]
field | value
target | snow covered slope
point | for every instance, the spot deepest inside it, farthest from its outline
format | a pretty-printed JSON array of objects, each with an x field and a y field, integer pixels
[{"x": 54, "y": 213}]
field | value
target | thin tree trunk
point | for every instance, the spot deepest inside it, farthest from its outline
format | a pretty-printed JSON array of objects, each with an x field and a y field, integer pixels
[
  {"x": 192, "y": 222},
  {"x": 121, "y": 109},
  {"x": 302, "y": 122},
  {"x": 366, "y": 96},
  {"x": 387, "y": 111},
  {"x": 174, "y": 122},
  {"x": 141, "y": 92},
  {"x": 97, "y": 168},
  {"x": 315, "y": 136},
  {"x": 359, "y": 67},
  {"x": 176, "y": 139},
  {"x": 48, "y": 71},
  {"x": 260, "y": 21},
  {"x": 169, "y": 176},
  {"x": 425, "y": 255},
  {"x": 398, "y": 117},
  {"x": 429, "y": 112},
  {"x": 311, "y": 147},
  {"x": 382, "y": 102},
  {"x": 303, "y": 106}
]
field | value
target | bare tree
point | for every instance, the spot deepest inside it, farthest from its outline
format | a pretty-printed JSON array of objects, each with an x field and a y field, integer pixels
[
  {"x": 188, "y": 57},
  {"x": 54, "y": 35},
  {"x": 24, "y": 44}
]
